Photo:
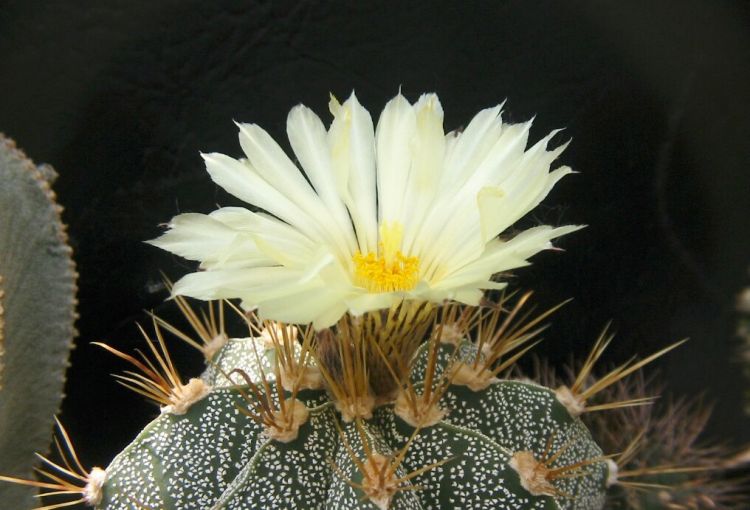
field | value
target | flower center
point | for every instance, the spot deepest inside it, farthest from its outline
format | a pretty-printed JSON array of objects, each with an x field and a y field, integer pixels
[{"x": 389, "y": 270}]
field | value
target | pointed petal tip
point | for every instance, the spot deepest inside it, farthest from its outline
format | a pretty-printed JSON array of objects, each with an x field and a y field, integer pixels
[
  {"x": 210, "y": 156},
  {"x": 297, "y": 109},
  {"x": 334, "y": 105},
  {"x": 398, "y": 97},
  {"x": 567, "y": 229}
]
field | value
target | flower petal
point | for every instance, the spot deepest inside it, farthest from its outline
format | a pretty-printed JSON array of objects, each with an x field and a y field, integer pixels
[
  {"x": 204, "y": 238},
  {"x": 426, "y": 172},
  {"x": 396, "y": 127},
  {"x": 241, "y": 180},
  {"x": 322, "y": 308},
  {"x": 505, "y": 255},
  {"x": 307, "y": 136},
  {"x": 275, "y": 167},
  {"x": 351, "y": 139},
  {"x": 230, "y": 283}
]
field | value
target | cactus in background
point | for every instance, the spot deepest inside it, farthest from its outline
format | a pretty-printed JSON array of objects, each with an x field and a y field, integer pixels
[
  {"x": 37, "y": 314},
  {"x": 743, "y": 332}
]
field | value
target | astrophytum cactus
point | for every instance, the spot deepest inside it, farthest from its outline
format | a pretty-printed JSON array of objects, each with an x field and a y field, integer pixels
[
  {"x": 378, "y": 371},
  {"x": 363, "y": 415},
  {"x": 434, "y": 428}
]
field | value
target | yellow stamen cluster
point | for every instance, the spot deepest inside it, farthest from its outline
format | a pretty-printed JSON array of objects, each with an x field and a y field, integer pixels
[{"x": 389, "y": 270}]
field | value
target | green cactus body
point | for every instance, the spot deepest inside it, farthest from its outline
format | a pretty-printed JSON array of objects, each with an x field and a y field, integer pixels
[
  {"x": 215, "y": 457},
  {"x": 37, "y": 315}
]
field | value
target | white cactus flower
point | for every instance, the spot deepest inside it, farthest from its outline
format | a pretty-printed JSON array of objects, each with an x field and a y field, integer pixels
[{"x": 401, "y": 211}]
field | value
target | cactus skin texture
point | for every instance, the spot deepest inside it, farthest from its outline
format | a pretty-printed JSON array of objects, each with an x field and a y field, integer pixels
[
  {"x": 397, "y": 409},
  {"x": 215, "y": 456},
  {"x": 37, "y": 315}
]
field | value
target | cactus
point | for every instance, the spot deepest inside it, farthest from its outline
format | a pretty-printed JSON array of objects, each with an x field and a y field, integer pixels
[
  {"x": 743, "y": 332},
  {"x": 283, "y": 418},
  {"x": 37, "y": 314},
  {"x": 448, "y": 434},
  {"x": 380, "y": 366},
  {"x": 504, "y": 444}
]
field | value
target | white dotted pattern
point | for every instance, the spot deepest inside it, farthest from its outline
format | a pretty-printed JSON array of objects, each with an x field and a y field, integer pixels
[{"x": 214, "y": 457}]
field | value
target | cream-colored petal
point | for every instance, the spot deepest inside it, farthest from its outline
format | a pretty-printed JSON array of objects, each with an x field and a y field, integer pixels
[
  {"x": 264, "y": 225},
  {"x": 505, "y": 255},
  {"x": 396, "y": 129},
  {"x": 351, "y": 140},
  {"x": 524, "y": 187},
  {"x": 282, "y": 251},
  {"x": 365, "y": 302},
  {"x": 195, "y": 236},
  {"x": 500, "y": 208},
  {"x": 203, "y": 238},
  {"x": 316, "y": 295},
  {"x": 321, "y": 274},
  {"x": 426, "y": 172},
  {"x": 307, "y": 136},
  {"x": 471, "y": 147},
  {"x": 274, "y": 166},
  {"x": 242, "y": 181},
  {"x": 460, "y": 238},
  {"x": 230, "y": 283},
  {"x": 317, "y": 305},
  {"x": 468, "y": 296}
]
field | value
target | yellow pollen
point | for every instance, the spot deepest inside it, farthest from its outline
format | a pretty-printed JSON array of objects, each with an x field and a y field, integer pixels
[{"x": 389, "y": 270}]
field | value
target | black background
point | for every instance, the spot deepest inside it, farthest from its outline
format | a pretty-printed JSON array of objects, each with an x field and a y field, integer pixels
[{"x": 120, "y": 96}]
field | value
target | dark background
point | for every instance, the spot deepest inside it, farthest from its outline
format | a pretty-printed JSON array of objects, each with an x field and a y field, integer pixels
[{"x": 120, "y": 96}]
